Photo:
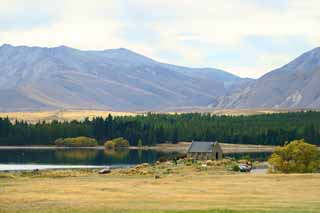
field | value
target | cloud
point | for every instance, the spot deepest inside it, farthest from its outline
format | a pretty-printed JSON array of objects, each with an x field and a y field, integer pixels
[
  {"x": 246, "y": 37},
  {"x": 87, "y": 26},
  {"x": 197, "y": 30},
  {"x": 15, "y": 15}
]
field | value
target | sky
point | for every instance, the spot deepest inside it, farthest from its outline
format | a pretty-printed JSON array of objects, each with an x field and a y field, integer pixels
[{"x": 245, "y": 37}]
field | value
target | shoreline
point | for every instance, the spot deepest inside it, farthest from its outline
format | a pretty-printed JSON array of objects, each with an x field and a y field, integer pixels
[{"x": 179, "y": 148}]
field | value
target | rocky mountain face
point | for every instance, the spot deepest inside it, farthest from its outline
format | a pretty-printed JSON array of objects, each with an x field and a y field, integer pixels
[
  {"x": 34, "y": 78},
  {"x": 209, "y": 74},
  {"x": 295, "y": 85}
]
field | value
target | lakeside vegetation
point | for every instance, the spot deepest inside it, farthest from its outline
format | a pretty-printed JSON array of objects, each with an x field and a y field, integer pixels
[
  {"x": 295, "y": 157},
  {"x": 151, "y": 129},
  {"x": 117, "y": 143},
  {"x": 76, "y": 142}
]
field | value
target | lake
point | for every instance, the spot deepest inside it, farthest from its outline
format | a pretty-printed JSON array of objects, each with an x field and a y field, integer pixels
[{"x": 29, "y": 159}]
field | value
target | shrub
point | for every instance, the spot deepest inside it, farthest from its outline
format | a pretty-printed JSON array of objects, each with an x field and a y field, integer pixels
[
  {"x": 232, "y": 166},
  {"x": 117, "y": 143},
  {"x": 59, "y": 142},
  {"x": 295, "y": 157},
  {"x": 76, "y": 142},
  {"x": 109, "y": 144},
  {"x": 235, "y": 168}
]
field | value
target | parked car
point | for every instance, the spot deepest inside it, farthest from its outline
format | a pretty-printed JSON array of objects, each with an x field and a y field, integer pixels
[{"x": 245, "y": 167}]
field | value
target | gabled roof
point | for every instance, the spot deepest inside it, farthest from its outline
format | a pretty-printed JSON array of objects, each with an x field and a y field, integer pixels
[{"x": 201, "y": 146}]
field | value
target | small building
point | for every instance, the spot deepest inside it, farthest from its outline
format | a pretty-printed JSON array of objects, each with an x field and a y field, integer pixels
[{"x": 205, "y": 150}]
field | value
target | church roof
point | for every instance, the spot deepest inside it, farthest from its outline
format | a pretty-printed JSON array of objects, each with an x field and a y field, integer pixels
[{"x": 201, "y": 146}]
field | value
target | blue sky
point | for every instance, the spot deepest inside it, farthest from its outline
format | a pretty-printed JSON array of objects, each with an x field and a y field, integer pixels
[{"x": 244, "y": 37}]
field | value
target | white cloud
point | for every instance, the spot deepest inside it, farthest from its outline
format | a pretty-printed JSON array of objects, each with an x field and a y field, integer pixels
[
  {"x": 179, "y": 25},
  {"x": 82, "y": 26},
  {"x": 225, "y": 25}
]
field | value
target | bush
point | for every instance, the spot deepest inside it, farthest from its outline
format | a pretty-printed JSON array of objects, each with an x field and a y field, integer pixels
[
  {"x": 232, "y": 166},
  {"x": 76, "y": 142},
  {"x": 117, "y": 143},
  {"x": 295, "y": 157},
  {"x": 109, "y": 145},
  {"x": 235, "y": 168}
]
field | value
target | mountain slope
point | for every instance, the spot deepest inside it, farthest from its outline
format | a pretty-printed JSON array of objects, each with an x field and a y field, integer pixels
[
  {"x": 51, "y": 78},
  {"x": 228, "y": 79},
  {"x": 295, "y": 85}
]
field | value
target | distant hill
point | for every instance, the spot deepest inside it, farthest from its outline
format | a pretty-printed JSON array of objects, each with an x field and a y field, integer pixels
[
  {"x": 209, "y": 74},
  {"x": 35, "y": 78},
  {"x": 295, "y": 85}
]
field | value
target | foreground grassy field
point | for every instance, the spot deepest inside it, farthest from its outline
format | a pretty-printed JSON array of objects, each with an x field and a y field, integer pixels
[{"x": 177, "y": 188}]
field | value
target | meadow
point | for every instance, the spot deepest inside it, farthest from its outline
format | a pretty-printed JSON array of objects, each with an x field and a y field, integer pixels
[
  {"x": 60, "y": 115},
  {"x": 177, "y": 189}
]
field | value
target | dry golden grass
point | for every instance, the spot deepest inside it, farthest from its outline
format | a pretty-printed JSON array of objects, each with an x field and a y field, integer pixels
[
  {"x": 227, "y": 148},
  {"x": 61, "y": 115},
  {"x": 245, "y": 148},
  {"x": 188, "y": 189}
]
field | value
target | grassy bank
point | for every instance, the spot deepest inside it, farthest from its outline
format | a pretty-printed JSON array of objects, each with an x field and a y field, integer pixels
[
  {"x": 182, "y": 147},
  {"x": 164, "y": 187}
]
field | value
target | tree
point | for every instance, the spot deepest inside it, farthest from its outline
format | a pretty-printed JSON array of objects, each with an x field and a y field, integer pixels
[
  {"x": 98, "y": 128},
  {"x": 175, "y": 136},
  {"x": 295, "y": 157},
  {"x": 117, "y": 143},
  {"x": 154, "y": 128},
  {"x": 108, "y": 126},
  {"x": 76, "y": 142}
]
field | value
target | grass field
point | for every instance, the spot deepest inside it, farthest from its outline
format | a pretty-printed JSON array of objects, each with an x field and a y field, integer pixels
[
  {"x": 184, "y": 189},
  {"x": 61, "y": 115},
  {"x": 68, "y": 115},
  {"x": 182, "y": 147}
]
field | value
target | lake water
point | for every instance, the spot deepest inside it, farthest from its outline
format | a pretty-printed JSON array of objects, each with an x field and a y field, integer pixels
[{"x": 29, "y": 159}]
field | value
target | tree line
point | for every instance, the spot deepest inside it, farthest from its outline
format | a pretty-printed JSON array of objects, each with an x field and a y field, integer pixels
[{"x": 151, "y": 129}]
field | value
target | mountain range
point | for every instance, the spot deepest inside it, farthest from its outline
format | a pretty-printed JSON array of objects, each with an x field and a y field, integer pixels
[
  {"x": 295, "y": 85},
  {"x": 36, "y": 78}
]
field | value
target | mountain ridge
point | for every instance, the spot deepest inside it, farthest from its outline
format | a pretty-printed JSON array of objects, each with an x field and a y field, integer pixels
[
  {"x": 294, "y": 85},
  {"x": 117, "y": 79},
  {"x": 62, "y": 77}
]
